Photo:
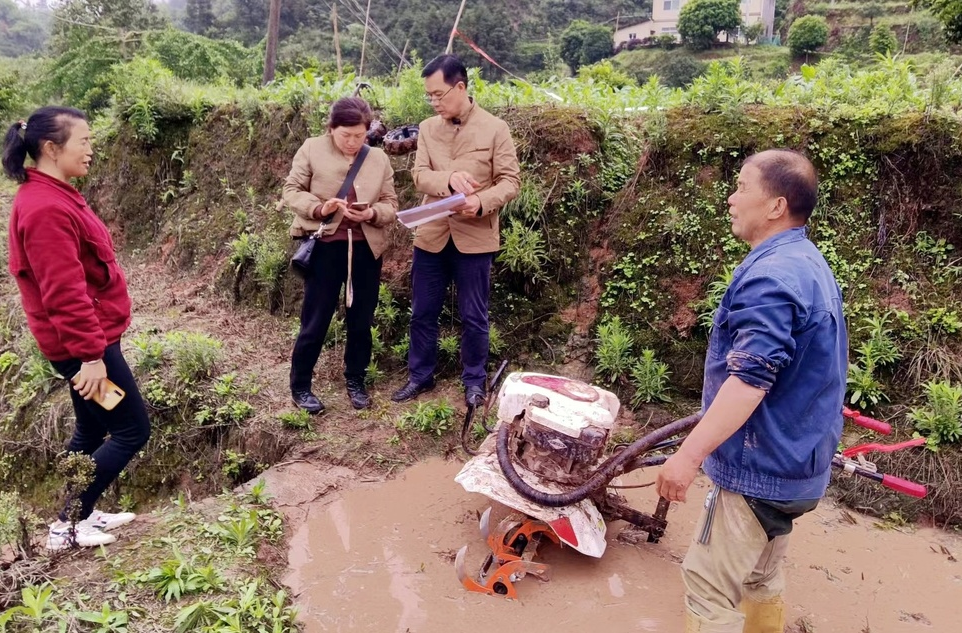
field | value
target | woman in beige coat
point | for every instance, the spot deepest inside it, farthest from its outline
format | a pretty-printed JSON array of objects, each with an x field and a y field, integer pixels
[{"x": 351, "y": 233}]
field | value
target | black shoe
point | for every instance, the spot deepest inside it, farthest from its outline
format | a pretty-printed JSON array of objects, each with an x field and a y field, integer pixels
[
  {"x": 411, "y": 391},
  {"x": 307, "y": 401},
  {"x": 474, "y": 396},
  {"x": 357, "y": 392}
]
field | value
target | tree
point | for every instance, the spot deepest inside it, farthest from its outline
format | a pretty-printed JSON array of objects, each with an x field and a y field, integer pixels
[
  {"x": 583, "y": 43},
  {"x": 124, "y": 15},
  {"x": 199, "y": 16},
  {"x": 22, "y": 30},
  {"x": 949, "y": 13},
  {"x": 871, "y": 11},
  {"x": 807, "y": 34},
  {"x": 700, "y": 21},
  {"x": 882, "y": 40}
]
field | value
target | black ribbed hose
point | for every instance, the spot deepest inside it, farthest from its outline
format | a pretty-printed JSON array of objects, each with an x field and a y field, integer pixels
[{"x": 602, "y": 475}]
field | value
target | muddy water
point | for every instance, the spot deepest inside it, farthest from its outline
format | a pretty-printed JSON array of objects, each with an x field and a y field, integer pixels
[{"x": 379, "y": 557}]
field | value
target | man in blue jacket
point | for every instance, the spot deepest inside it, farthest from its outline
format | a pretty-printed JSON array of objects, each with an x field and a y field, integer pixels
[{"x": 773, "y": 391}]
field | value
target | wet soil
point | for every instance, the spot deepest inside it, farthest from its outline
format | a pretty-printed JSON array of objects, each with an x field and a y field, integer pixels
[{"x": 379, "y": 556}]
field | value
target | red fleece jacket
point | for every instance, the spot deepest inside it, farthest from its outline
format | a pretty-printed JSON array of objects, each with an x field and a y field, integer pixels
[{"x": 61, "y": 254}]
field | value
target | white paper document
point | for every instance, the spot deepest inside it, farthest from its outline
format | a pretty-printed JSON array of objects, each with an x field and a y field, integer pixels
[{"x": 431, "y": 211}]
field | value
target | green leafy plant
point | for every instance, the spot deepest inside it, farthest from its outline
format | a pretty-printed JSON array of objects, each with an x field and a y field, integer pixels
[
  {"x": 195, "y": 355},
  {"x": 435, "y": 417},
  {"x": 649, "y": 376},
  {"x": 865, "y": 391},
  {"x": 613, "y": 355},
  {"x": 298, "y": 419},
  {"x": 523, "y": 252},
  {"x": 36, "y": 607},
  {"x": 177, "y": 576},
  {"x": 148, "y": 352},
  {"x": 940, "y": 419},
  {"x": 106, "y": 620}
]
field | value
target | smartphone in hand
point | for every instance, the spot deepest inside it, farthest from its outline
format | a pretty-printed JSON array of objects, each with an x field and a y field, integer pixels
[
  {"x": 360, "y": 206},
  {"x": 113, "y": 397}
]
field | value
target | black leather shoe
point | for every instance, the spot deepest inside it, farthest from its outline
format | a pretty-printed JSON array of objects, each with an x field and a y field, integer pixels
[
  {"x": 357, "y": 392},
  {"x": 307, "y": 401},
  {"x": 411, "y": 391},
  {"x": 474, "y": 396}
]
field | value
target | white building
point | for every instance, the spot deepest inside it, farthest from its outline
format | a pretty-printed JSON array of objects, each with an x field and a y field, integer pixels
[{"x": 664, "y": 20}]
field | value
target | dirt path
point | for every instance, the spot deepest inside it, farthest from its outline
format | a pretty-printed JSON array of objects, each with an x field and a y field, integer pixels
[{"x": 378, "y": 557}]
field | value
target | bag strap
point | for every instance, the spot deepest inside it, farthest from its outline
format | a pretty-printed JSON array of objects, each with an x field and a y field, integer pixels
[{"x": 349, "y": 180}]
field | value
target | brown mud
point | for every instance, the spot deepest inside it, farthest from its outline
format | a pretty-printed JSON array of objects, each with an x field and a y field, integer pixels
[{"x": 379, "y": 556}]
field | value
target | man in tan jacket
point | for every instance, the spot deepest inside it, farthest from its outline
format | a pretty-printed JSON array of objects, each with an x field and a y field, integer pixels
[{"x": 463, "y": 149}]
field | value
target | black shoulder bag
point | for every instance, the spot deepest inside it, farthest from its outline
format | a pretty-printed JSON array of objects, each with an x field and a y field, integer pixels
[{"x": 301, "y": 262}]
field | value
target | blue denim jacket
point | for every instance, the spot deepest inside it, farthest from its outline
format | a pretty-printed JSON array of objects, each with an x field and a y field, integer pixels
[{"x": 780, "y": 328}]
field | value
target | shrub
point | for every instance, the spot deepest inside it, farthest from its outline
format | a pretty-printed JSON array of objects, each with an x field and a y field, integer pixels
[
  {"x": 194, "y": 354},
  {"x": 606, "y": 74},
  {"x": 807, "y": 34},
  {"x": 584, "y": 43},
  {"x": 680, "y": 70},
  {"x": 649, "y": 376},
  {"x": 940, "y": 420},
  {"x": 882, "y": 40},
  {"x": 613, "y": 355},
  {"x": 700, "y": 21},
  {"x": 523, "y": 252}
]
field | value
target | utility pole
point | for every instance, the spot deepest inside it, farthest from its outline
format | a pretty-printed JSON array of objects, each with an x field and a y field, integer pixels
[
  {"x": 337, "y": 40},
  {"x": 367, "y": 21},
  {"x": 273, "y": 30},
  {"x": 455, "y": 28},
  {"x": 404, "y": 51}
]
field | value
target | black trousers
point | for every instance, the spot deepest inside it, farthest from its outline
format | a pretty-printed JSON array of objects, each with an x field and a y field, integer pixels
[
  {"x": 322, "y": 288},
  {"x": 126, "y": 424}
]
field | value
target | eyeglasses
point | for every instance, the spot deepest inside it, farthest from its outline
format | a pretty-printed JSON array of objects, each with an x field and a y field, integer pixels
[{"x": 432, "y": 99}]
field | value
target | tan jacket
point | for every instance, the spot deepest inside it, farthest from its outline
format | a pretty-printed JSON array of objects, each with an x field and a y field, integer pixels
[
  {"x": 317, "y": 174},
  {"x": 481, "y": 145}
]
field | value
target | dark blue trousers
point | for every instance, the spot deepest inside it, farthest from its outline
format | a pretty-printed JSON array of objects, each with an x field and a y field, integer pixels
[
  {"x": 126, "y": 426},
  {"x": 431, "y": 274}
]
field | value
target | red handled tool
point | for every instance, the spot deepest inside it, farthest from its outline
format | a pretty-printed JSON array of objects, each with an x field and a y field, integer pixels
[
  {"x": 869, "y": 423},
  {"x": 851, "y": 460}
]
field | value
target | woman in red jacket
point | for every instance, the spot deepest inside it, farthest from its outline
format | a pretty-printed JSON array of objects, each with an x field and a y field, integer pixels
[{"x": 75, "y": 297}]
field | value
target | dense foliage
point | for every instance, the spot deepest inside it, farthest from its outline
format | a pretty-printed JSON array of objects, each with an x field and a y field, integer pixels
[
  {"x": 23, "y": 30},
  {"x": 700, "y": 21},
  {"x": 949, "y": 12},
  {"x": 583, "y": 43},
  {"x": 807, "y": 34}
]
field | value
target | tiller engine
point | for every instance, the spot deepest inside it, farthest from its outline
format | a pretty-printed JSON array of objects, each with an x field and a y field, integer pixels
[{"x": 546, "y": 461}]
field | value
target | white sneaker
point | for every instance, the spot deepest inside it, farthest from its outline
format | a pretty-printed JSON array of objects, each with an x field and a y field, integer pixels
[
  {"x": 61, "y": 536},
  {"x": 107, "y": 521}
]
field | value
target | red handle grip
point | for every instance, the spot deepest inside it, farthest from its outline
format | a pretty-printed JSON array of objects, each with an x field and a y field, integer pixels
[
  {"x": 904, "y": 486},
  {"x": 869, "y": 423}
]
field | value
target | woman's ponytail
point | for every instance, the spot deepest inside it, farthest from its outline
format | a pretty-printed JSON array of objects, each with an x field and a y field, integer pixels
[
  {"x": 15, "y": 153},
  {"x": 25, "y": 138}
]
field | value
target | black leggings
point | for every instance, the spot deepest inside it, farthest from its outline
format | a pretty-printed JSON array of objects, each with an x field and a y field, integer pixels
[
  {"x": 322, "y": 289},
  {"x": 127, "y": 425}
]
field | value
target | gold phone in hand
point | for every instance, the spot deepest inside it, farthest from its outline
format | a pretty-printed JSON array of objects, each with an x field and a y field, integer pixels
[
  {"x": 360, "y": 206},
  {"x": 112, "y": 398}
]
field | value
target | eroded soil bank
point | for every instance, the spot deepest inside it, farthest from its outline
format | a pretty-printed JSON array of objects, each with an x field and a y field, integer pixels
[{"x": 378, "y": 556}]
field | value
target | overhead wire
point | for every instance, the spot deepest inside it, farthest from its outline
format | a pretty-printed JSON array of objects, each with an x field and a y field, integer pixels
[{"x": 359, "y": 13}]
